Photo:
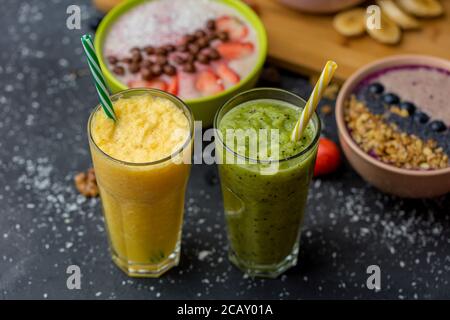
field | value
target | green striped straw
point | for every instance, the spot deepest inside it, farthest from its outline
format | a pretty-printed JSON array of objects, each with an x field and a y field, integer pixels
[{"x": 99, "y": 79}]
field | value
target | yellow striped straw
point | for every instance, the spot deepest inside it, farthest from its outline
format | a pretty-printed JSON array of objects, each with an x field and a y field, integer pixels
[{"x": 313, "y": 101}]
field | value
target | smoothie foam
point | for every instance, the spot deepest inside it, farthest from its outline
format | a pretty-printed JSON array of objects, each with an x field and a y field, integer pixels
[
  {"x": 148, "y": 129},
  {"x": 269, "y": 114}
]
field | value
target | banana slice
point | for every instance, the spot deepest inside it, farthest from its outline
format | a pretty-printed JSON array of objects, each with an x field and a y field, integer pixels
[
  {"x": 397, "y": 15},
  {"x": 422, "y": 8},
  {"x": 350, "y": 23},
  {"x": 388, "y": 33}
]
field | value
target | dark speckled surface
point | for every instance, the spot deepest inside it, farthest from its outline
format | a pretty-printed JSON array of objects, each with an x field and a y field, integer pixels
[{"x": 45, "y": 98}]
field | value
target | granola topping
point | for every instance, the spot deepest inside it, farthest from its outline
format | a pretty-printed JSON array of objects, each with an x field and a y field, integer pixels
[{"x": 387, "y": 143}]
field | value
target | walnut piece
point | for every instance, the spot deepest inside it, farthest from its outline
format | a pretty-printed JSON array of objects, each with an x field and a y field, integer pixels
[
  {"x": 326, "y": 109},
  {"x": 86, "y": 183}
]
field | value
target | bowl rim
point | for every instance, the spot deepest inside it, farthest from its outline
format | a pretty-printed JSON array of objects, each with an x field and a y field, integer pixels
[
  {"x": 356, "y": 78},
  {"x": 250, "y": 16}
]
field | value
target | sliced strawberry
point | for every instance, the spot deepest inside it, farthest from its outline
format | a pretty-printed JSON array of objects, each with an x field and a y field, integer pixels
[
  {"x": 209, "y": 83},
  {"x": 155, "y": 84},
  {"x": 235, "y": 50},
  {"x": 227, "y": 74},
  {"x": 174, "y": 85},
  {"x": 137, "y": 84},
  {"x": 235, "y": 28}
]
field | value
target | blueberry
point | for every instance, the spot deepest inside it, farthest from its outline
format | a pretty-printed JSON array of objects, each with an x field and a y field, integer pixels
[
  {"x": 376, "y": 88},
  {"x": 438, "y": 126},
  {"x": 391, "y": 98},
  {"x": 421, "y": 117},
  {"x": 408, "y": 106}
]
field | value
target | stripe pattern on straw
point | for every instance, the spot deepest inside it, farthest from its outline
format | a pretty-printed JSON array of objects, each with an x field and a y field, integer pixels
[
  {"x": 99, "y": 80},
  {"x": 313, "y": 101}
]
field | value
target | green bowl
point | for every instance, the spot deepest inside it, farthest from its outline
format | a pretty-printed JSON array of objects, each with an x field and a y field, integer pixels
[{"x": 203, "y": 108}]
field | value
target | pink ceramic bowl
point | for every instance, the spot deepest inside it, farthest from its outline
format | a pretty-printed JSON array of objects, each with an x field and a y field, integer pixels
[
  {"x": 390, "y": 179},
  {"x": 321, "y": 6}
]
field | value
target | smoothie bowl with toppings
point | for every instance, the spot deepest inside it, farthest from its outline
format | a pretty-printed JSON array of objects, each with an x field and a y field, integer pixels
[
  {"x": 203, "y": 51},
  {"x": 393, "y": 119}
]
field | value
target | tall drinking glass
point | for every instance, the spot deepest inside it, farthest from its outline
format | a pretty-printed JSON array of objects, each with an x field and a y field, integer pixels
[
  {"x": 265, "y": 198},
  {"x": 143, "y": 203}
]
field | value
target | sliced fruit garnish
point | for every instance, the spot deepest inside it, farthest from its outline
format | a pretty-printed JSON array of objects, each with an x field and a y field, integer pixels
[
  {"x": 155, "y": 84},
  {"x": 397, "y": 15},
  {"x": 137, "y": 84},
  {"x": 235, "y": 28},
  {"x": 174, "y": 85},
  {"x": 422, "y": 8},
  {"x": 235, "y": 50},
  {"x": 388, "y": 33},
  {"x": 227, "y": 74},
  {"x": 350, "y": 23},
  {"x": 209, "y": 83}
]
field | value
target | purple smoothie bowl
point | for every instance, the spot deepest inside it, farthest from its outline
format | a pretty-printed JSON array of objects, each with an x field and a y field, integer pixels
[{"x": 401, "y": 182}]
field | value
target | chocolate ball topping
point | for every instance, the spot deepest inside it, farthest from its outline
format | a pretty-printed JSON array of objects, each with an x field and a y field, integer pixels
[
  {"x": 156, "y": 70},
  {"x": 199, "y": 34},
  {"x": 187, "y": 39},
  {"x": 135, "y": 50},
  {"x": 203, "y": 58},
  {"x": 223, "y": 36},
  {"x": 211, "y": 25},
  {"x": 134, "y": 67},
  {"x": 189, "y": 68},
  {"x": 213, "y": 54},
  {"x": 161, "y": 51},
  {"x": 212, "y": 36},
  {"x": 146, "y": 64},
  {"x": 136, "y": 57},
  {"x": 190, "y": 58},
  {"x": 193, "y": 48},
  {"x": 179, "y": 59},
  {"x": 161, "y": 60},
  {"x": 113, "y": 60},
  {"x": 146, "y": 74},
  {"x": 149, "y": 50},
  {"x": 182, "y": 48},
  {"x": 119, "y": 70},
  {"x": 169, "y": 48},
  {"x": 169, "y": 70},
  {"x": 202, "y": 42}
]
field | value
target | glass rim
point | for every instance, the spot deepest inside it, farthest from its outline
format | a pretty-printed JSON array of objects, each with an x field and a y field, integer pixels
[
  {"x": 155, "y": 92},
  {"x": 259, "y": 161}
]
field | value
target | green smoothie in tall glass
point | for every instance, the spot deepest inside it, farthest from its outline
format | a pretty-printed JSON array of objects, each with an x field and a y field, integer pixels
[{"x": 264, "y": 208}]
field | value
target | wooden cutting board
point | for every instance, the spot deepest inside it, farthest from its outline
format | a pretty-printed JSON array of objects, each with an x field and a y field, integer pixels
[{"x": 303, "y": 42}]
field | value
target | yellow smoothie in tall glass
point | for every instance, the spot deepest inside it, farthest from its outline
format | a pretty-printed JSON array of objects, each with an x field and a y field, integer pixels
[{"x": 142, "y": 164}]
